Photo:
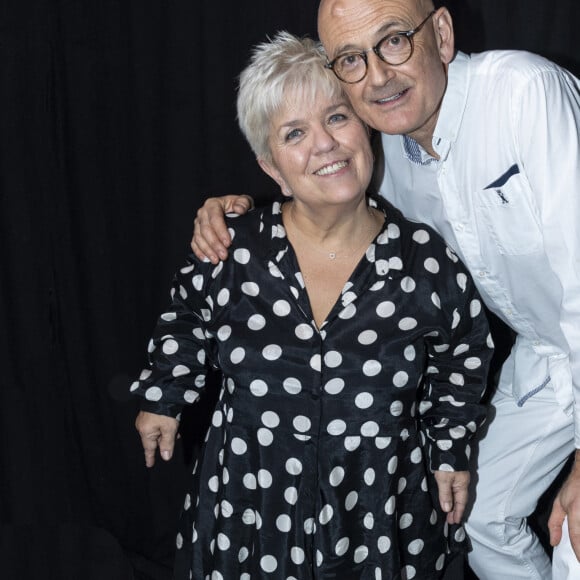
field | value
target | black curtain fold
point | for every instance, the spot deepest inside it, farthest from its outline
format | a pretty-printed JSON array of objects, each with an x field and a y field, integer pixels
[{"x": 117, "y": 120}]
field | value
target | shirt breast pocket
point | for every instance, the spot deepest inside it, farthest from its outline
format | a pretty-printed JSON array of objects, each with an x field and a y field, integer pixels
[{"x": 506, "y": 214}]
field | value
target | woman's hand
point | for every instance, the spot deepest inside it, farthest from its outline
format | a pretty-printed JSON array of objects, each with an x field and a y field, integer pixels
[
  {"x": 453, "y": 493},
  {"x": 211, "y": 238},
  {"x": 156, "y": 431}
]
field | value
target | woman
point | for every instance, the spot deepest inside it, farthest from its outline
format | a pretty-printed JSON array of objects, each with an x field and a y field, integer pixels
[{"x": 353, "y": 349}]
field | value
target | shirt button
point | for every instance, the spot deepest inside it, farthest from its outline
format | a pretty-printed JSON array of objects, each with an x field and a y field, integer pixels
[
  {"x": 482, "y": 273},
  {"x": 459, "y": 227}
]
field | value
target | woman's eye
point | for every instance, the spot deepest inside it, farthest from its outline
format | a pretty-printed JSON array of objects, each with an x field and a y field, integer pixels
[
  {"x": 337, "y": 117},
  {"x": 293, "y": 134}
]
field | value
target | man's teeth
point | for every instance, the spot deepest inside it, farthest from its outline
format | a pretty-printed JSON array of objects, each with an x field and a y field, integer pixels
[
  {"x": 389, "y": 99},
  {"x": 329, "y": 169}
]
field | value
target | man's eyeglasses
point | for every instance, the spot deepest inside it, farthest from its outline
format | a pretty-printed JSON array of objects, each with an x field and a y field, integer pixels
[{"x": 394, "y": 49}]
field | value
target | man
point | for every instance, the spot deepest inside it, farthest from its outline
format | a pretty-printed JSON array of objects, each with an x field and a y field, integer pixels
[{"x": 486, "y": 150}]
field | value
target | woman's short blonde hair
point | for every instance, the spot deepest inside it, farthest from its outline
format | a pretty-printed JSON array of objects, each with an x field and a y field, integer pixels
[{"x": 282, "y": 67}]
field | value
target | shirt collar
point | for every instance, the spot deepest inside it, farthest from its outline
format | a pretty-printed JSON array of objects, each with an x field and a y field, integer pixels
[{"x": 450, "y": 115}]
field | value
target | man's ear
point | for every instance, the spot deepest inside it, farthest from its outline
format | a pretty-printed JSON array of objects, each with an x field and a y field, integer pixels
[
  {"x": 444, "y": 34},
  {"x": 270, "y": 169}
]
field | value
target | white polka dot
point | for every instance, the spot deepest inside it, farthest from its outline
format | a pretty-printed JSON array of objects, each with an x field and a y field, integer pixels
[
  {"x": 352, "y": 442},
  {"x": 332, "y": 359},
  {"x": 431, "y": 265},
  {"x": 213, "y": 483},
  {"x": 153, "y": 394},
  {"x": 371, "y": 368},
  {"x": 342, "y": 546},
  {"x": 237, "y": 355},
  {"x": 179, "y": 541},
  {"x": 396, "y": 408},
  {"x": 369, "y": 476},
  {"x": 270, "y": 419},
  {"x": 197, "y": 282},
  {"x": 281, "y": 308},
  {"x": 350, "y": 501},
  {"x": 272, "y": 352},
  {"x": 334, "y": 386},
  {"x": 421, "y": 236},
  {"x": 444, "y": 444},
  {"x": 319, "y": 558},
  {"x": 401, "y": 485},
  {"x": 249, "y": 481},
  {"x": 462, "y": 281},
  {"x": 460, "y": 534},
  {"x": 223, "y": 542},
  {"x": 360, "y": 554},
  {"x": 390, "y": 505},
  {"x": 297, "y": 555},
  {"x": 416, "y": 547},
  {"x": 268, "y": 564},
  {"x": 472, "y": 363},
  {"x": 304, "y": 331},
  {"x": 258, "y": 388},
  {"x": 369, "y": 429},
  {"x": 284, "y": 523},
  {"x": 409, "y": 573},
  {"x": 223, "y": 297},
  {"x": 364, "y": 400},
  {"x": 250, "y": 289},
  {"x": 249, "y": 517},
  {"x": 382, "y": 442},
  {"x": 475, "y": 308},
  {"x": 294, "y": 466},
  {"x": 309, "y": 526},
  {"x": 457, "y": 432},
  {"x": 291, "y": 495},
  {"x": 264, "y": 479},
  {"x": 316, "y": 362},
  {"x": 407, "y": 323},
  {"x": 226, "y": 509},
  {"x": 369, "y": 521},
  {"x": 384, "y": 544},
  {"x": 408, "y": 285},
  {"x": 242, "y": 256},
  {"x": 326, "y": 514},
  {"x": 395, "y": 263},
  {"x": 440, "y": 562},
  {"x": 392, "y": 465},
  {"x": 292, "y": 386},
  {"x": 385, "y": 309},
  {"x": 215, "y": 575},
  {"x": 239, "y": 446},
  {"x": 224, "y": 332},
  {"x": 400, "y": 379},
  {"x": 393, "y": 231},
  {"x": 301, "y": 423},
  {"x": 336, "y": 427},
  {"x": 256, "y": 322},
  {"x": 367, "y": 337},
  {"x": 405, "y": 521},
  {"x": 265, "y": 437},
  {"x": 348, "y": 312},
  {"x": 243, "y": 554},
  {"x": 336, "y": 476},
  {"x": 416, "y": 455},
  {"x": 170, "y": 346}
]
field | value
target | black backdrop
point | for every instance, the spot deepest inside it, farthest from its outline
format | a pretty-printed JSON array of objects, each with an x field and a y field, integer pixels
[{"x": 116, "y": 122}]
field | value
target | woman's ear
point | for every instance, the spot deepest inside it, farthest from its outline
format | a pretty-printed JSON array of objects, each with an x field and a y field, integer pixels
[{"x": 270, "y": 169}]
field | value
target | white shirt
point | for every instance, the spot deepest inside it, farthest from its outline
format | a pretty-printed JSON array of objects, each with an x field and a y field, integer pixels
[{"x": 505, "y": 195}]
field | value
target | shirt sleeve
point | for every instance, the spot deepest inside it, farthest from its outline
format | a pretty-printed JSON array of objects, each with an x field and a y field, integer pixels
[
  {"x": 180, "y": 351},
  {"x": 451, "y": 409},
  {"x": 546, "y": 116}
]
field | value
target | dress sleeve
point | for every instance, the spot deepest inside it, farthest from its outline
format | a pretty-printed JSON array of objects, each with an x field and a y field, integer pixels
[
  {"x": 180, "y": 351},
  {"x": 451, "y": 408}
]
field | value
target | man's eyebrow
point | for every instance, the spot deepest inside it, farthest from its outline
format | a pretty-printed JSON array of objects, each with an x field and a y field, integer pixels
[{"x": 390, "y": 26}]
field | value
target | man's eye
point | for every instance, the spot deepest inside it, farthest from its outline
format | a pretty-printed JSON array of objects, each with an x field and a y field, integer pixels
[{"x": 350, "y": 60}]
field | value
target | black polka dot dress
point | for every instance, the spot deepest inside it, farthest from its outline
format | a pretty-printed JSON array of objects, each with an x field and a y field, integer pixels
[{"x": 318, "y": 460}]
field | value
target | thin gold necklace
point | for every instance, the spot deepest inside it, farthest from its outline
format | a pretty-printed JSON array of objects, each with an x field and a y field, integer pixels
[{"x": 333, "y": 255}]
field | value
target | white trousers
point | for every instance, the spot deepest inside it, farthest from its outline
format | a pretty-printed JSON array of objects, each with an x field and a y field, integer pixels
[{"x": 519, "y": 457}]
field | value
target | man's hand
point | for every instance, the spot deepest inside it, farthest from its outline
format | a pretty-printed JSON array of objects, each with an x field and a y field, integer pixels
[
  {"x": 211, "y": 238},
  {"x": 156, "y": 431},
  {"x": 453, "y": 493},
  {"x": 567, "y": 503}
]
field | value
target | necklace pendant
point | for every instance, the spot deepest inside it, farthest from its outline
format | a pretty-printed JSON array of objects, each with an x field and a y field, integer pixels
[{"x": 332, "y": 255}]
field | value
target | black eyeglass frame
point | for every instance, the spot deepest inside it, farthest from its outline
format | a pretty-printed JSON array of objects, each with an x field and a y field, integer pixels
[{"x": 376, "y": 49}]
